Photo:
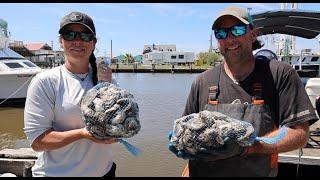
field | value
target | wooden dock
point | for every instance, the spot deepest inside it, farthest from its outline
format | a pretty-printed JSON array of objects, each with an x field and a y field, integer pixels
[{"x": 17, "y": 161}]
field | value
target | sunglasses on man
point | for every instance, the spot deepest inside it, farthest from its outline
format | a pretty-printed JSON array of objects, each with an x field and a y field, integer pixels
[
  {"x": 236, "y": 30},
  {"x": 69, "y": 35}
]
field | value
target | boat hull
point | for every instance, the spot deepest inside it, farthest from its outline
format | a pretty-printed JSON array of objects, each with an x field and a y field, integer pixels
[{"x": 15, "y": 86}]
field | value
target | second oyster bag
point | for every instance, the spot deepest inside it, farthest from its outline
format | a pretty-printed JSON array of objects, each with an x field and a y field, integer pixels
[
  {"x": 208, "y": 129},
  {"x": 109, "y": 111}
]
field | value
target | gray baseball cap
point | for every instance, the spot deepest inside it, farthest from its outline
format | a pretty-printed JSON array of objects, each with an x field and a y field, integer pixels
[
  {"x": 77, "y": 18},
  {"x": 237, "y": 12}
]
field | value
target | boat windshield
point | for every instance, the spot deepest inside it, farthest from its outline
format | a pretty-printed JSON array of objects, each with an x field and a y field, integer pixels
[
  {"x": 13, "y": 65},
  {"x": 29, "y": 64}
]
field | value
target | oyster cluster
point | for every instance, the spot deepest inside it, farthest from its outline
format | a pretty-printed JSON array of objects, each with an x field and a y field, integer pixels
[
  {"x": 109, "y": 111},
  {"x": 208, "y": 129}
]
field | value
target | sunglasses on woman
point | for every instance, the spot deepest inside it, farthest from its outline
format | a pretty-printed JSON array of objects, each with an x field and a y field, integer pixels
[
  {"x": 236, "y": 30},
  {"x": 72, "y": 35}
]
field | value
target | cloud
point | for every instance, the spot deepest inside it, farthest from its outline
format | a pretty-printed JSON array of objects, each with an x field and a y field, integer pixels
[
  {"x": 175, "y": 10},
  {"x": 105, "y": 20},
  {"x": 257, "y": 6},
  {"x": 111, "y": 8},
  {"x": 36, "y": 28}
]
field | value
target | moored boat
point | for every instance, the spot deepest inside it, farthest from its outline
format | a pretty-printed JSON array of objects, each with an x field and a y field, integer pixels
[{"x": 15, "y": 71}]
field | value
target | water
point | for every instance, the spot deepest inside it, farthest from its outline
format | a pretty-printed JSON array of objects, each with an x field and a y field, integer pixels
[
  {"x": 11, "y": 133},
  {"x": 161, "y": 98}
]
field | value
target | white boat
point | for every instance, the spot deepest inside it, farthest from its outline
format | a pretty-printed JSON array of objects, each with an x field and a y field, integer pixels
[
  {"x": 307, "y": 66},
  {"x": 304, "y": 162},
  {"x": 16, "y": 71}
]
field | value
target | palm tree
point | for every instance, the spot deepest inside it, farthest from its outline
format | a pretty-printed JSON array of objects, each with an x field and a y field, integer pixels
[{"x": 128, "y": 58}]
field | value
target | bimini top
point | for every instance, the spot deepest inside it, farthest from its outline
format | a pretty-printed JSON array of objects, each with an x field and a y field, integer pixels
[
  {"x": 305, "y": 24},
  {"x": 8, "y": 53}
]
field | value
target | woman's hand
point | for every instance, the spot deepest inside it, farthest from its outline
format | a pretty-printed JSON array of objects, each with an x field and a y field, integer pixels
[
  {"x": 86, "y": 134},
  {"x": 104, "y": 72}
]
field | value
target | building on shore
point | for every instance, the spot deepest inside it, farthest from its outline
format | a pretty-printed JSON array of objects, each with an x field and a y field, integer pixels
[
  {"x": 166, "y": 54},
  {"x": 19, "y": 48},
  {"x": 153, "y": 47},
  {"x": 42, "y": 53},
  {"x": 138, "y": 59},
  {"x": 39, "y": 53}
]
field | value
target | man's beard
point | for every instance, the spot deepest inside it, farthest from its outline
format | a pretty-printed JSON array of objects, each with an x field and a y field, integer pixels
[{"x": 234, "y": 59}]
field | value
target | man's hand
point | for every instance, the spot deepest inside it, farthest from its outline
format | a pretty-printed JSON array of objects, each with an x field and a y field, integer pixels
[
  {"x": 228, "y": 150},
  {"x": 179, "y": 153}
]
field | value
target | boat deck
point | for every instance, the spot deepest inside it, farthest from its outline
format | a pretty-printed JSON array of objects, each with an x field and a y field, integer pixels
[{"x": 308, "y": 164}]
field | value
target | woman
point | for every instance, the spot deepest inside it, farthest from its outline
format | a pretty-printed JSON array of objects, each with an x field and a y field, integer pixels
[{"x": 52, "y": 121}]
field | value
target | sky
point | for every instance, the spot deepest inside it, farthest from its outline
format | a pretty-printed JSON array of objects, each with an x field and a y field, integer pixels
[{"x": 130, "y": 26}]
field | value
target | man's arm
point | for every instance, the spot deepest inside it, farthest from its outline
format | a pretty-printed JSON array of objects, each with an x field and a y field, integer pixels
[{"x": 297, "y": 137}]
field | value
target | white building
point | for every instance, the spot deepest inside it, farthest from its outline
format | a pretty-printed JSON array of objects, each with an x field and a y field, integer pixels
[
  {"x": 166, "y": 54},
  {"x": 168, "y": 57},
  {"x": 167, "y": 47}
]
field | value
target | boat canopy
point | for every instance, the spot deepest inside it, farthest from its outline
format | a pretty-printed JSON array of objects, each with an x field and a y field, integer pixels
[
  {"x": 305, "y": 24},
  {"x": 8, "y": 53}
]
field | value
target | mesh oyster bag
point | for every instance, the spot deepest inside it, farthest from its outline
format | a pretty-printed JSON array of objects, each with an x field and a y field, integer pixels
[
  {"x": 109, "y": 111},
  {"x": 208, "y": 129}
]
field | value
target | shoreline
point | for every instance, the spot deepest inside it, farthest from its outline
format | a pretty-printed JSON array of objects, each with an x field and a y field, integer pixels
[{"x": 158, "y": 70}]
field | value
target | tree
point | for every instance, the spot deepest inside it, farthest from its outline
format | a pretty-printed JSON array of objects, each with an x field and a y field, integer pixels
[
  {"x": 207, "y": 58},
  {"x": 128, "y": 58}
]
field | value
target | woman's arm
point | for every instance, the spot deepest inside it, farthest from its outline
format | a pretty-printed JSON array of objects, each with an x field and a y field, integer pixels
[{"x": 51, "y": 139}]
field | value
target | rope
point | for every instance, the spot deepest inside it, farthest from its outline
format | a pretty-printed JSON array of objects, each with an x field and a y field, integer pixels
[
  {"x": 131, "y": 148},
  {"x": 299, "y": 161},
  {"x": 17, "y": 89}
]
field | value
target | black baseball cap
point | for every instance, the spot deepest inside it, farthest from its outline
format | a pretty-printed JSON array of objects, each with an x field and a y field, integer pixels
[{"x": 77, "y": 18}]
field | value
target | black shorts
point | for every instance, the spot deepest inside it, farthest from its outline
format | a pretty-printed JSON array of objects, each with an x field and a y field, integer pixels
[{"x": 112, "y": 172}]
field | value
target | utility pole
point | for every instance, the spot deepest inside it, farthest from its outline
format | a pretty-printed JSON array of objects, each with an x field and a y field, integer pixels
[
  {"x": 288, "y": 42},
  {"x": 210, "y": 48},
  {"x": 249, "y": 9},
  {"x": 111, "y": 50}
]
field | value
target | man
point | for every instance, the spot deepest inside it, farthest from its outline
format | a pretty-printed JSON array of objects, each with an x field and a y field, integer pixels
[{"x": 271, "y": 95}]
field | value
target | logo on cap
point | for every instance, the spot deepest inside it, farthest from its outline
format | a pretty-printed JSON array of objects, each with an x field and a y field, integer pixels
[{"x": 76, "y": 17}]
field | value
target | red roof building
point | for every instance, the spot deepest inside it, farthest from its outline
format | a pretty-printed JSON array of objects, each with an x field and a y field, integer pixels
[{"x": 38, "y": 46}]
